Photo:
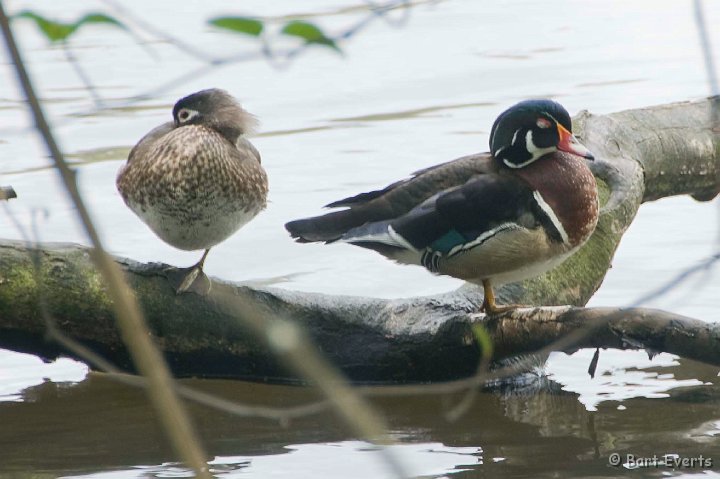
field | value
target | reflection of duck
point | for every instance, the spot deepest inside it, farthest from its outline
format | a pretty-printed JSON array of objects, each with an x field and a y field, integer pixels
[
  {"x": 485, "y": 218},
  {"x": 196, "y": 180}
]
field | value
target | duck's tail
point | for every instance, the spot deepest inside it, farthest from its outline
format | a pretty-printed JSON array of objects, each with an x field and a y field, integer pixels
[
  {"x": 328, "y": 228},
  {"x": 353, "y": 227}
]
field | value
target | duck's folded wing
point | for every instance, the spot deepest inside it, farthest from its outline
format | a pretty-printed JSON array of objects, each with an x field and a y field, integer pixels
[
  {"x": 455, "y": 219},
  {"x": 392, "y": 201},
  {"x": 149, "y": 140}
]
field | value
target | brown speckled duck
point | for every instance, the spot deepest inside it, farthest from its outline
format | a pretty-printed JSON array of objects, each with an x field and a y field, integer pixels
[
  {"x": 490, "y": 218},
  {"x": 196, "y": 180}
]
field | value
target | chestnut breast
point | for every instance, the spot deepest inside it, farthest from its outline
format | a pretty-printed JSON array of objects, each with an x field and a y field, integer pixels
[{"x": 568, "y": 186}]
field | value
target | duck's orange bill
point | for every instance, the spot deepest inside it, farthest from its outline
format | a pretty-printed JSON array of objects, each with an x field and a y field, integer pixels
[{"x": 569, "y": 143}]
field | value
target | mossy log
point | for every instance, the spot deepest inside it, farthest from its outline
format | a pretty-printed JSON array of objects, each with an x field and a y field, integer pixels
[{"x": 642, "y": 155}]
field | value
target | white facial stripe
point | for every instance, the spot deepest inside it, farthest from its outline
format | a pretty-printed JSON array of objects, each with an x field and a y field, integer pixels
[
  {"x": 532, "y": 149},
  {"x": 492, "y": 137},
  {"x": 553, "y": 217},
  {"x": 514, "y": 138},
  {"x": 554, "y": 119},
  {"x": 515, "y": 165}
]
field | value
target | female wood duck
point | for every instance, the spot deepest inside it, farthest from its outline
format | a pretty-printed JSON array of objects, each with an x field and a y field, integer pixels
[
  {"x": 489, "y": 218},
  {"x": 196, "y": 180}
]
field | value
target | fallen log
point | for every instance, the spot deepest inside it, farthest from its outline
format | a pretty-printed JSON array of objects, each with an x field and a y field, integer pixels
[{"x": 642, "y": 155}]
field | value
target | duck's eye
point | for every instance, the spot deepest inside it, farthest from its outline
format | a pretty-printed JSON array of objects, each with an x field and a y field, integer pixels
[
  {"x": 543, "y": 123},
  {"x": 185, "y": 114}
]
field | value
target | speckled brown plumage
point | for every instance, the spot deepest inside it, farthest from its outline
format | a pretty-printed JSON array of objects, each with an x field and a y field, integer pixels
[{"x": 196, "y": 180}]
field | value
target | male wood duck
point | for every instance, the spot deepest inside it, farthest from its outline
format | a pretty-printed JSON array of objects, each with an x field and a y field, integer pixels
[
  {"x": 196, "y": 180},
  {"x": 489, "y": 218}
]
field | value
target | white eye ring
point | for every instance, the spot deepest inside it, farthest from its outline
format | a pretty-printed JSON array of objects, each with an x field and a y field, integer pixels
[
  {"x": 543, "y": 123},
  {"x": 186, "y": 114}
]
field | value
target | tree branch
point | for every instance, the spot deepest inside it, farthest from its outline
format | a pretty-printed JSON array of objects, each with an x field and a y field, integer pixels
[{"x": 642, "y": 155}]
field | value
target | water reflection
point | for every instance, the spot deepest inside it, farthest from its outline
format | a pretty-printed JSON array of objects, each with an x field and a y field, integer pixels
[
  {"x": 401, "y": 99},
  {"x": 98, "y": 425},
  {"x": 619, "y": 376},
  {"x": 19, "y": 372},
  {"x": 346, "y": 459}
]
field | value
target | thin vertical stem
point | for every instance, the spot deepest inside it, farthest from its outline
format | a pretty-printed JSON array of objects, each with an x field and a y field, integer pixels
[
  {"x": 73, "y": 61},
  {"x": 130, "y": 321}
]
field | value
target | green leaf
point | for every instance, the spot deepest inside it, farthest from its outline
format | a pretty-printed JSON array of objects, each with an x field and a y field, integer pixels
[
  {"x": 310, "y": 33},
  {"x": 248, "y": 26},
  {"x": 58, "y": 31},
  {"x": 54, "y": 31},
  {"x": 484, "y": 340},
  {"x": 99, "y": 18}
]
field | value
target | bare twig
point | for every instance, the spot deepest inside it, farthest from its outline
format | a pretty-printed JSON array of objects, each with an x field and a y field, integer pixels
[
  {"x": 53, "y": 332},
  {"x": 284, "y": 337},
  {"x": 89, "y": 86},
  {"x": 150, "y": 28},
  {"x": 708, "y": 58},
  {"x": 298, "y": 350},
  {"x": 278, "y": 58},
  {"x": 483, "y": 368},
  {"x": 703, "y": 266},
  {"x": 129, "y": 319},
  {"x": 290, "y": 342},
  {"x": 299, "y": 353},
  {"x": 282, "y": 415}
]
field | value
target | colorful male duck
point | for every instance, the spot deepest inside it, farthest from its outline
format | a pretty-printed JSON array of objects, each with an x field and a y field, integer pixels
[
  {"x": 489, "y": 218},
  {"x": 196, "y": 180}
]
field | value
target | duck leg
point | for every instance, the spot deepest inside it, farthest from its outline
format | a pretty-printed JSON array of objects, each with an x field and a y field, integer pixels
[
  {"x": 192, "y": 279},
  {"x": 489, "y": 306}
]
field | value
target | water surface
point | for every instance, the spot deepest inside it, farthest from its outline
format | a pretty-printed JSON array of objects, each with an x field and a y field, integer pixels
[{"x": 404, "y": 95}]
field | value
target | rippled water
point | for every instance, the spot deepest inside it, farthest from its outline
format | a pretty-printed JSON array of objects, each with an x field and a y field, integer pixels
[{"x": 405, "y": 94}]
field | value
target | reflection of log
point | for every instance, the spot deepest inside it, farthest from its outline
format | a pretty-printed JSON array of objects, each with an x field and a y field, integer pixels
[
  {"x": 643, "y": 155},
  {"x": 113, "y": 426}
]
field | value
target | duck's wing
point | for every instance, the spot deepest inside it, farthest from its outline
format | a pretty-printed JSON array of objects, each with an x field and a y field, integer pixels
[
  {"x": 456, "y": 220},
  {"x": 392, "y": 201},
  {"x": 148, "y": 141},
  {"x": 138, "y": 156},
  {"x": 441, "y": 168},
  {"x": 247, "y": 149}
]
